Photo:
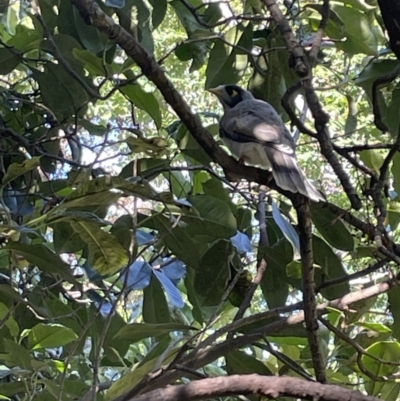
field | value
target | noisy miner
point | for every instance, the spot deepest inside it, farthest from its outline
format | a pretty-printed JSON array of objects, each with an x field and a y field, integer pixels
[{"x": 254, "y": 132}]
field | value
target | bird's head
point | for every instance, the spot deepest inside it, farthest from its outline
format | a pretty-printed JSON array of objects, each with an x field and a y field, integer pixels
[{"x": 230, "y": 95}]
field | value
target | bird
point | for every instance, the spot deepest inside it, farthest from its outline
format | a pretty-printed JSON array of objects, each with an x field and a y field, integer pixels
[{"x": 255, "y": 133}]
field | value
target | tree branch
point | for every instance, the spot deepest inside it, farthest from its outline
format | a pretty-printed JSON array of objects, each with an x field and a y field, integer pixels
[
  {"x": 302, "y": 206},
  {"x": 270, "y": 387},
  {"x": 303, "y": 70}
]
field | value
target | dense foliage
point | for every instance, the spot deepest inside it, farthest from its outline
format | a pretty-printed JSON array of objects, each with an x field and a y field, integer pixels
[{"x": 129, "y": 239}]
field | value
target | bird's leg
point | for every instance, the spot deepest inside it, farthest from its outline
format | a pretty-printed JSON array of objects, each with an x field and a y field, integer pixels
[{"x": 242, "y": 160}]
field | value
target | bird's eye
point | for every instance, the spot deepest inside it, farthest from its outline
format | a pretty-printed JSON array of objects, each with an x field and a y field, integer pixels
[{"x": 234, "y": 93}]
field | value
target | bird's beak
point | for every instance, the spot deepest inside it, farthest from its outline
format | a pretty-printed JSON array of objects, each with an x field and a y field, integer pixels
[{"x": 216, "y": 91}]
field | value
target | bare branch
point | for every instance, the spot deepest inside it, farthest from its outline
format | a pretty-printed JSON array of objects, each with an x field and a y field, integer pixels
[
  {"x": 302, "y": 206},
  {"x": 270, "y": 387}
]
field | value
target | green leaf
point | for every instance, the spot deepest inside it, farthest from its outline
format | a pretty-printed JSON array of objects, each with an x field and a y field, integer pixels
[
  {"x": 8, "y": 61},
  {"x": 197, "y": 50},
  {"x": 331, "y": 268},
  {"x": 179, "y": 185},
  {"x": 396, "y": 173},
  {"x": 393, "y": 209},
  {"x": 372, "y": 158},
  {"x": 193, "y": 297},
  {"x": 63, "y": 95},
  {"x": 388, "y": 351},
  {"x": 394, "y": 307},
  {"x": 155, "y": 307},
  {"x": 238, "y": 362},
  {"x": 42, "y": 257},
  {"x": 177, "y": 240},
  {"x": 15, "y": 170},
  {"x": 93, "y": 129},
  {"x": 92, "y": 63},
  {"x": 106, "y": 255},
  {"x": 135, "y": 332},
  {"x": 359, "y": 5},
  {"x": 331, "y": 228},
  {"x": 271, "y": 85},
  {"x": 389, "y": 391},
  {"x": 65, "y": 238},
  {"x": 17, "y": 355},
  {"x": 378, "y": 327},
  {"x": 287, "y": 230},
  {"x": 351, "y": 120},
  {"x": 392, "y": 113},
  {"x": 159, "y": 11},
  {"x": 91, "y": 199},
  {"x": 95, "y": 191},
  {"x": 373, "y": 70},
  {"x": 49, "y": 336},
  {"x": 211, "y": 278},
  {"x": 91, "y": 38},
  {"x": 215, "y": 218},
  {"x": 214, "y": 188},
  {"x": 190, "y": 147},
  {"x": 135, "y": 18},
  {"x": 274, "y": 283},
  {"x": 26, "y": 38},
  {"x": 144, "y": 168},
  {"x": 360, "y": 38},
  {"x": 8, "y": 320},
  {"x": 226, "y": 64},
  {"x": 12, "y": 389},
  {"x": 145, "y": 101}
]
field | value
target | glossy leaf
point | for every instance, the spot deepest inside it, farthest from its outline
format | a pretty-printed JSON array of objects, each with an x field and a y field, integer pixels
[
  {"x": 212, "y": 276},
  {"x": 372, "y": 158},
  {"x": 178, "y": 240},
  {"x": 384, "y": 350},
  {"x": 50, "y": 336},
  {"x": 331, "y": 268},
  {"x": 137, "y": 331},
  {"x": 331, "y": 228},
  {"x": 159, "y": 11},
  {"x": 238, "y": 362},
  {"x": 139, "y": 276},
  {"x": 274, "y": 282},
  {"x": 226, "y": 65},
  {"x": 106, "y": 255},
  {"x": 155, "y": 307},
  {"x": 15, "y": 170},
  {"x": 145, "y": 101},
  {"x": 287, "y": 230},
  {"x": 8, "y": 61},
  {"x": 241, "y": 242},
  {"x": 216, "y": 219},
  {"x": 359, "y": 37},
  {"x": 41, "y": 256},
  {"x": 174, "y": 296}
]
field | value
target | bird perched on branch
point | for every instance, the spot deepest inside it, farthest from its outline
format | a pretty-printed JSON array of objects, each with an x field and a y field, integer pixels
[{"x": 255, "y": 133}]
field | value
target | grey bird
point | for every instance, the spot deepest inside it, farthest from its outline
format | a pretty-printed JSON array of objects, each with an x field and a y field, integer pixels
[{"x": 254, "y": 132}]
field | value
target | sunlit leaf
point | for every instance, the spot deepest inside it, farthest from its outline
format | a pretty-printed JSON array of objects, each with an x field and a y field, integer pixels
[
  {"x": 106, "y": 255},
  {"x": 49, "y": 336}
]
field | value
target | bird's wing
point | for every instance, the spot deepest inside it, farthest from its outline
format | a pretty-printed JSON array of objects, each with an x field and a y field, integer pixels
[{"x": 256, "y": 121}]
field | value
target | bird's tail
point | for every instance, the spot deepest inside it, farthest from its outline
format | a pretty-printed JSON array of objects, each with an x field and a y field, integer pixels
[{"x": 288, "y": 175}]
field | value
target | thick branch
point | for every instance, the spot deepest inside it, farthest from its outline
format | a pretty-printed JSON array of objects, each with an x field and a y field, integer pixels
[
  {"x": 302, "y": 206},
  {"x": 269, "y": 387},
  {"x": 203, "y": 356}
]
